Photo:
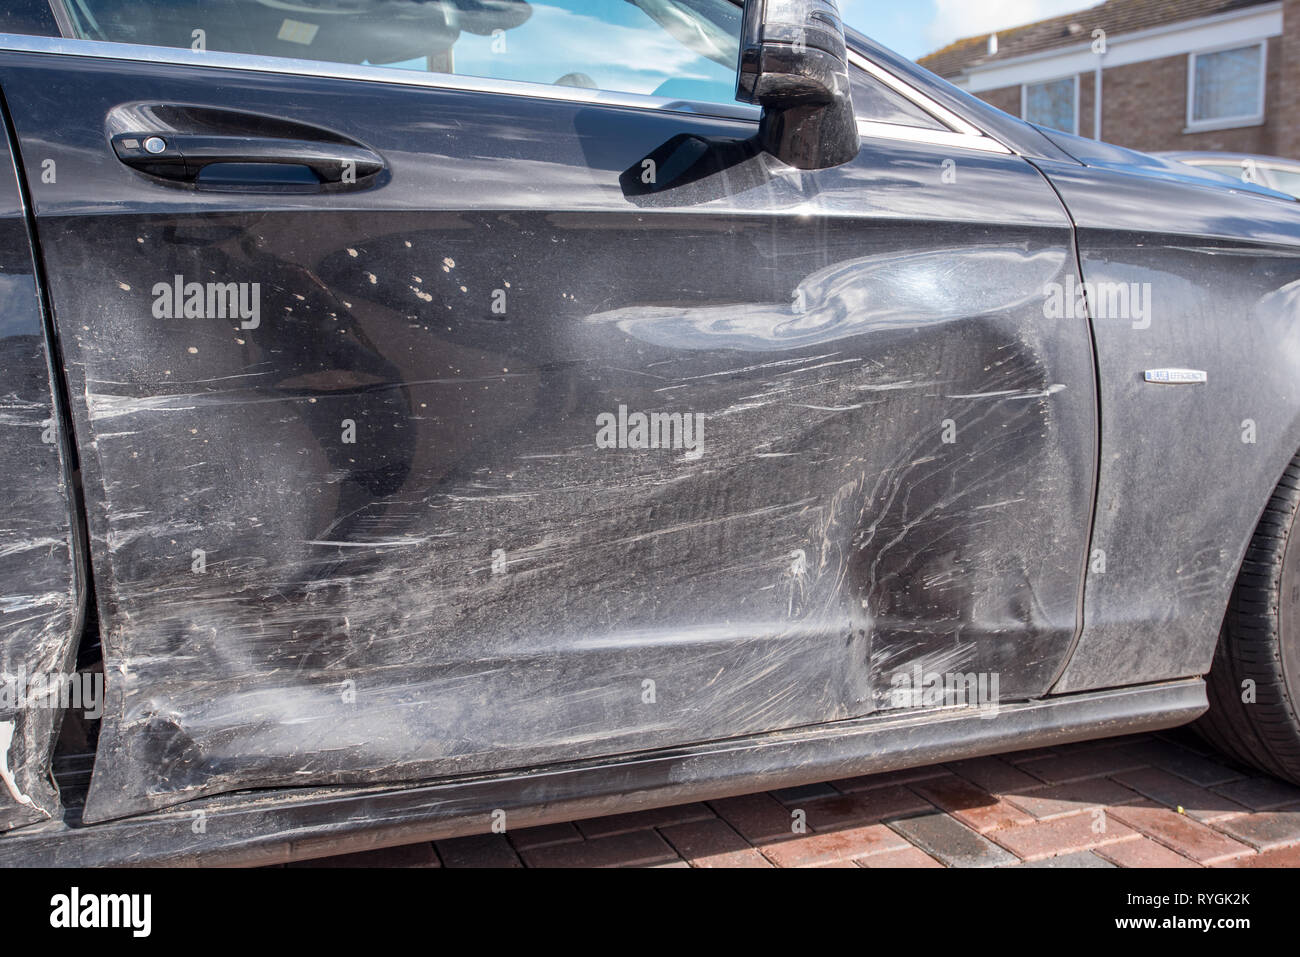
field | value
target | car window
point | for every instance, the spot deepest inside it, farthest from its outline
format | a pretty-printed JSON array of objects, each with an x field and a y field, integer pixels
[
  {"x": 31, "y": 17},
  {"x": 674, "y": 48},
  {"x": 677, "y": 49},
  {"x": 1285, "y": 180},
  {"x": 1232, "y": 170},
  {"x": 874, "y": 101}
]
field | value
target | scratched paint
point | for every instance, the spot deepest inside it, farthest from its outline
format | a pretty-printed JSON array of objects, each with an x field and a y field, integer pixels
[
  {"x": 373, "y": 539},
  {"x": 347, "y": 625},
  {"x": 39, "y": 599}
]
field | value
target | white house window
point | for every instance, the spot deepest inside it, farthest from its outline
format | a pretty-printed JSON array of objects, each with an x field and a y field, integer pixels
[
  {"x": 1054, "y": 104},
  {"x": 1226, "y": 88}
]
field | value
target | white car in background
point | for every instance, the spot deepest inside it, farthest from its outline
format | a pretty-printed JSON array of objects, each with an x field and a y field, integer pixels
[{"x": 1274, "y": 172}]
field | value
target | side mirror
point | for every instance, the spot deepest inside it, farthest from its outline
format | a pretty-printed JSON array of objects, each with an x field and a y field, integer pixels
[{"x": 794, "y": 64}]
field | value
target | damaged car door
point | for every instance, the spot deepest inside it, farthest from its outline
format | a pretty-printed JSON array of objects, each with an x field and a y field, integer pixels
[{"x": 507, "y": 404}]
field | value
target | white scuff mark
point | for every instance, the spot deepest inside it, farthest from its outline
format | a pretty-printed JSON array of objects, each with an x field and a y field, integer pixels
[
  {"x": 6, "y": 738},
  {"x": 763, "y": 365},
  {"x": 985, "y": 395},
  {"x": 1009, "y": 501},
  {"x": 742, "y": 407},
  {"x": 10, "y": 604},
  {"x": 103, "y": 406},
  {"x": 891, "y": 386},
  {"x": 682, "y": 527},
  {"x": 390, "y": 543},
  {"x": 798, "y": 573},
  {"x": 94, "y": 384},
  {"x": 117, "y": 538},
  {"x": 830, "y": 408},
  {"x": 822, "y": 365},
  {"x": 29, "y": 544},
  {"x": 1014, "y": 393}
]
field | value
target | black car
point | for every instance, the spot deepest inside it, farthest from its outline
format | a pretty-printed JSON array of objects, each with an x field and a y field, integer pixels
[{"x": 426, "y": 418}]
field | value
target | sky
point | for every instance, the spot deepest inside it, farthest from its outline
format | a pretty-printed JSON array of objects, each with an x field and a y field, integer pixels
[{"x": 918, "y": 27}]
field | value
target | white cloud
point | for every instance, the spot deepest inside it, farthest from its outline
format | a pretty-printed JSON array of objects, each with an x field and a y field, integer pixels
[{"x": 955, "y": 19}]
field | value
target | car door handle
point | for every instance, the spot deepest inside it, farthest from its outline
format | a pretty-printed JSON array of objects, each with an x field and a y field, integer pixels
[{"x": 184, "y": 156}]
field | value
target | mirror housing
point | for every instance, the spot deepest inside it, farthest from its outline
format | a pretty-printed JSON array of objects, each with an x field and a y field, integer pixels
[{"x": 794, "y": 64}]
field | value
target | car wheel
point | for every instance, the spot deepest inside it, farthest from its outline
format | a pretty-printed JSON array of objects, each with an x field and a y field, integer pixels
[{"x": 1254, "y": 684}]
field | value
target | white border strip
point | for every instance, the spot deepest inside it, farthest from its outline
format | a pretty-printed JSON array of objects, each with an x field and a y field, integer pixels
[{"x": 914, "y": 134}]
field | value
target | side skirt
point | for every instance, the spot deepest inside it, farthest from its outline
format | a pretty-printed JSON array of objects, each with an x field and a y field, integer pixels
[{"x": 275, "y": 827}]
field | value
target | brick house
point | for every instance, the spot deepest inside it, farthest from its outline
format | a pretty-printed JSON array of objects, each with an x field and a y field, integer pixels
[{"x": 1147, "y": 74}]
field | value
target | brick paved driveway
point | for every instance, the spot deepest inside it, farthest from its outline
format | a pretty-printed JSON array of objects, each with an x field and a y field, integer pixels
[{"x": 1160, "y": 800}]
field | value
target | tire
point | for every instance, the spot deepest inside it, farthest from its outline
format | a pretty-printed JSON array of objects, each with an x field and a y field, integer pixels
[{"x": 1260, "y": 643}]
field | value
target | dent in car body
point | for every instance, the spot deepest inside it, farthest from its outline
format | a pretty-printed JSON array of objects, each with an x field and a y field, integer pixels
[{"x": 473, "y": 584}]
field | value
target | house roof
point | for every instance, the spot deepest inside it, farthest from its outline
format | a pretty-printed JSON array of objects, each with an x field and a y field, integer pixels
[{"x": 1116, "y": 17}]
